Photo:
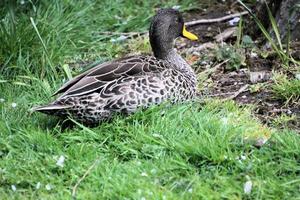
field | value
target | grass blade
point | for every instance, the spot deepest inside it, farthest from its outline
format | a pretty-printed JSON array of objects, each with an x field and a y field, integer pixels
[
  {"x": 274, "y": 26},
  {"x": 44, "y": 46}
]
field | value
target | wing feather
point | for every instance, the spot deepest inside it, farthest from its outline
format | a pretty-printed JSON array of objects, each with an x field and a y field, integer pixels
[{"x": 96, "y": 78}]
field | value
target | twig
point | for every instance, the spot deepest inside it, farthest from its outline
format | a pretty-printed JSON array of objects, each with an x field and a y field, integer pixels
[
  {"x": 220, "y": 94},
  {"x": 207, "y": 72},
  {"x": 207, "y": 45},
  {"x": 83, "y": 177},
  {"x": 227, "y": 33},
  {"x": 208, "y": 21},
  {"x": 128, "y": 34},
  {"x": 191, "y": 23},
  {"x": 237, "y": 93}
]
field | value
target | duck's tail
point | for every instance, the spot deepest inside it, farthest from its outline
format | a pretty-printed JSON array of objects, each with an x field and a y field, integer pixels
[{"x": 51, "y": 109}]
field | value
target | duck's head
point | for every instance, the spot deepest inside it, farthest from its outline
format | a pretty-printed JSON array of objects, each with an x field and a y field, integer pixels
[{"x": 166, "y": 26}]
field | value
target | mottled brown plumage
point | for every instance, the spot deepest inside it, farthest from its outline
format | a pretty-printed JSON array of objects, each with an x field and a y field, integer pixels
[{"x": 127, "y": 84}]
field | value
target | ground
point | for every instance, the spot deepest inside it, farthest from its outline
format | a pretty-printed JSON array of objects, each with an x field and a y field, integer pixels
[
  {"x": 239, "y": 140},
  {"x": 257, "y": 75}
]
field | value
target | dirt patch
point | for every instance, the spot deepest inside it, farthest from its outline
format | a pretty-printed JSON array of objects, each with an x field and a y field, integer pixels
[
  {"x": 266, "y": 107},
  {"x": 249, "y": 84}
]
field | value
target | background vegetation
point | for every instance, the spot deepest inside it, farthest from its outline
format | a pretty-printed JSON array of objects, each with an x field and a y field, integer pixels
[{"x": 190, "y": 151}]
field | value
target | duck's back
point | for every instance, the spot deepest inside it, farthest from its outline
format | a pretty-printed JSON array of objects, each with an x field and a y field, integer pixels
[{"x": 120, "y": 86}]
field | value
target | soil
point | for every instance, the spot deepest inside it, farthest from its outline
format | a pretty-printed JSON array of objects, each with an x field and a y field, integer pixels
[{"x": 255, "y": 78}]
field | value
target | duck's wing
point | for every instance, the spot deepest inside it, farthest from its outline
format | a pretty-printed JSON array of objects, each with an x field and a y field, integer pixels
[{"x": 97, "y": 77}]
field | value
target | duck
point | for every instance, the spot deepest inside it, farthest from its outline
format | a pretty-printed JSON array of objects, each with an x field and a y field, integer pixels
[{"x": 128, "y": 84}]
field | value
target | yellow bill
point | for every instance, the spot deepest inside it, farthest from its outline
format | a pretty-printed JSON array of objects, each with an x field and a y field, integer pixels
[{"x": 188, "y": 35}]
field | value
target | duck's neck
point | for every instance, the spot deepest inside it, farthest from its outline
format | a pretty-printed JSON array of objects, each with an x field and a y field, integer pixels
[
  {"x": 160, "y": 45},
  {"x": 181, "y": 65}
]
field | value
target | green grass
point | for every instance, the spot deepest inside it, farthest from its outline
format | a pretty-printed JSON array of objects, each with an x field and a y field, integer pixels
[
  {"x": 188, "y": 151},
  {"x": 285, "y": 88},
  {"x": 275, "y": 43},
  {"x": 67, "y": 30},
  {"x": 178, "y": 152}
]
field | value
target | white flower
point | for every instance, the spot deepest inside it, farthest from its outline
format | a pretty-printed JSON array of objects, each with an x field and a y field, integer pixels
[
  {"x": 143, "y": 198},
  {"x": 190, "y": 190},
  {"x": 14, "y": 188},
  {"x": 119, "y": 39},
  {"x": 139, "y": 163},
  {"x": 13, "y": 105},
  {"x": 38, "y": 185},
  {"x": 48, "y": 187},
  {"x": 225, "y": 120},
  {"x": 176, "y": 7},
  {"x": 243, "y": 157},
  {"x": 60, "y": 161},
  {"x": 248, "y": 187},
  {"x": 297, "y": 76},
  {"x": 156, "y": 135},
  {"x": 2, "y": 100},
  {"x": 144, "y": 174}
]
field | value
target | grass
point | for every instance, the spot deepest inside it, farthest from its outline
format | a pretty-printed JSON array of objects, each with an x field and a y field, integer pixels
[
  {"x": 179, "y": 152},
  {"x": 285, "y": 88},
  {"x": 39, "y": 38},
  {"x": 275, "y": 43},
  {"x": 187, "y": 151}
]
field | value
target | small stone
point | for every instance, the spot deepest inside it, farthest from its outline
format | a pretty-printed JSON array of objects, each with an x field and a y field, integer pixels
[
  {"x": 2, "y": 100},
  {"x": 253, "y": 55},
  {"x": 203, "y": 62},
  {"x": 13, "y": 105},
  {"x": 190, "y": 190},
  {"x": 195, "y": 53},
  {"x": 258, "y": 76},
  {"x": 260, "y": 141}
]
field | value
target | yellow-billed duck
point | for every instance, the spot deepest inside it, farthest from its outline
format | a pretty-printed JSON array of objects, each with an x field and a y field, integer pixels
[{"x": 127, "y": 84}]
